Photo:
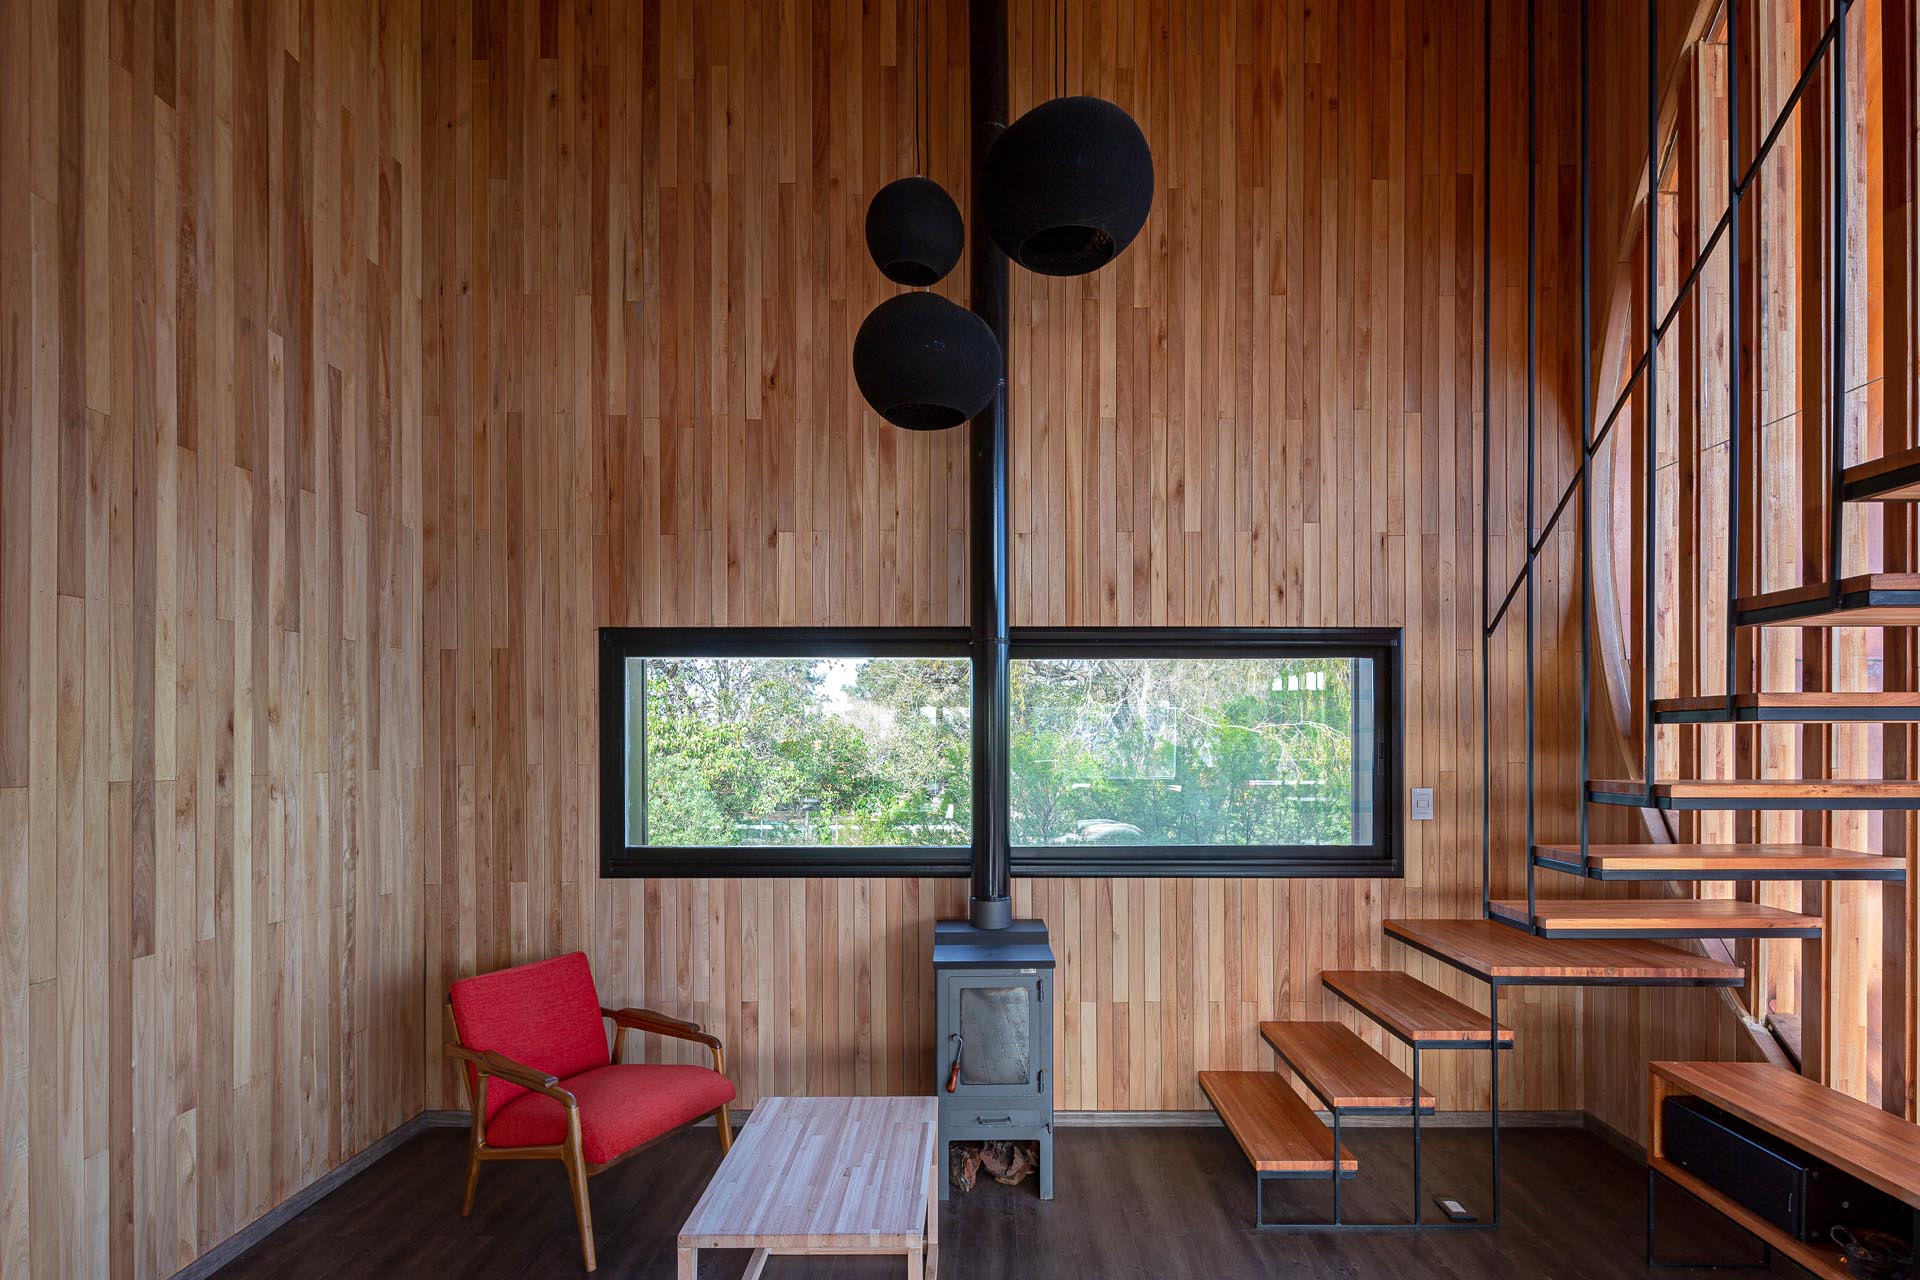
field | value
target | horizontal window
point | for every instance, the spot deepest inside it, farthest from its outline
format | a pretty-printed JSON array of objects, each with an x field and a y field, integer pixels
[
  {"x": 1203, "y": 752},
  {"x": 783, "y": 752},
  {"x": 1165, "y": 752}
]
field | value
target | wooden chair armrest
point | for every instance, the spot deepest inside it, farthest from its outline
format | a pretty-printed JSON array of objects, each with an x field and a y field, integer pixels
[
  {"x": 661, "y": 1024},
  {"x": 501, "y": 1067}
]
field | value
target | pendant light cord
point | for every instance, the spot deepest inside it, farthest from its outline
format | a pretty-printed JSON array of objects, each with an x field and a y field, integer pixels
[
  {"x": 923, "y": 87},
  {"x": 1060, "y": 48}
]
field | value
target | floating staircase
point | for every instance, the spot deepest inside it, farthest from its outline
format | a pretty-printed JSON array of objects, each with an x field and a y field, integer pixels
[{"x": 1283, "y": 1138}]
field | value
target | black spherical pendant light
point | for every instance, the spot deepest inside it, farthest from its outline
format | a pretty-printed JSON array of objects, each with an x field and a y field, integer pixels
[
  {"x": 1068, "y": 186},
  {"x": 914, "y": 231},
  {"x": 925, "y": 363}
]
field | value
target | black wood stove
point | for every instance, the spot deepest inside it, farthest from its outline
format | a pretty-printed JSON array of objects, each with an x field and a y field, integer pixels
[{"x": 995, "y": 1025}]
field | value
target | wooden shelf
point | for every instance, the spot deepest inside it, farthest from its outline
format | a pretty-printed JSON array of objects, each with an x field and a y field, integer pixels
[
  {"x": 1894, "y": 478},
  {"x": 1717, "y": 862},
  {"x": 1788, "y": 708},
  {"x": 1276, "y": 1129},
  {"x": 1880, "y": 1149},
  {"x": 1825, "y": 1261},
  {"x": 1502, "y": 954},
  {"x": 1759, "y": 793},
  {"x": 1341, "y": 1069},
  {"x": 1866, "y": 600},
  {"x": 1875, "y": 1146},
  {"x": 1411, "y": 1010},
  {"x": 1657, "y": 918}
]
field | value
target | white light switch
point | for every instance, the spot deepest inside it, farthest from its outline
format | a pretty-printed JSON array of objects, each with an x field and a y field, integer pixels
[{"x": 1423, "y": 804}]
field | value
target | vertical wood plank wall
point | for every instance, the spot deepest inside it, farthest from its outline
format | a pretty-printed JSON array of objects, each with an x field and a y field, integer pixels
[
  {"x": 210, "y": 569},
  {"x": 358, "y": 361},
  {"x": 646, "y": 269}
]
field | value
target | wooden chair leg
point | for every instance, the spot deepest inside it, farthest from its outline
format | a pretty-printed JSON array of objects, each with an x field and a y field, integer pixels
[
  {"x": 725, "y": 1121},
  {"x": 473, "y": 1181},
  {"x": 577, "y": 1177},
  {"x": 476, "y": 1137}
]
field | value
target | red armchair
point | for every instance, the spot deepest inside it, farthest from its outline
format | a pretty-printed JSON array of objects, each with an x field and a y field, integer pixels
[{"x": 543, "y": 1086}]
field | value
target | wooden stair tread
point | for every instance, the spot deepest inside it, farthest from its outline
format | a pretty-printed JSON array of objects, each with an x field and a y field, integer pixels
[
  {"x": 1761, "y": 793},
  {"x": 1719, "y": 861},
  {"x": 1867, "y": 600},
  {"x": 1496, "y": 952},
  {"x": 1800, "y": 707},
  {"x": 1893, "y": 478},
  {"x": 1341, "y": 1069},
  {"x": 1412, "y": 1010},
  {"x": 1810, "y": 787},
  {"x": 1276, "y": 1129},
  {"x": 1690, "y": 917}
]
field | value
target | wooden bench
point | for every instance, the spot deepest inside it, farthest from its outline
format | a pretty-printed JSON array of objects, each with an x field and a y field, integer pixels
[
  {"x": 1278, "y": 1132},
  {"x": 1880, "y": 1149}
]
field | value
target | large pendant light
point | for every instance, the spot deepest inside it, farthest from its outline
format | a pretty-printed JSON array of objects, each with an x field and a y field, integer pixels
[
  {"x": 914, "y": 231},
  {"x": 1068, "y": 186},
  {"x": 925, "y": 363}
]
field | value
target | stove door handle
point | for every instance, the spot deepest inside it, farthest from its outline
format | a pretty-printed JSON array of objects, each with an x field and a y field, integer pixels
[
  {"x": 953, "y": 1075},
  {"x": 993, "y": 1119}
]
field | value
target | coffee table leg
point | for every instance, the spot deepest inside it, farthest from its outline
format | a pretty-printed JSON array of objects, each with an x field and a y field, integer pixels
[
  {"x": 689, "y": 1263},
  {"x": 933, "y": 1224}
]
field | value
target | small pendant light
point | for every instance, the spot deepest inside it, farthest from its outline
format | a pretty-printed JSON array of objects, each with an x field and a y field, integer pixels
[
  {"x": 914, "y": 231},
  {"x": 925, "y": 363}
]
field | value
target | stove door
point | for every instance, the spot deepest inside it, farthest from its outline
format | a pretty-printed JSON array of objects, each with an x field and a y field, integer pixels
[{"x": 1006, "y": 1034}]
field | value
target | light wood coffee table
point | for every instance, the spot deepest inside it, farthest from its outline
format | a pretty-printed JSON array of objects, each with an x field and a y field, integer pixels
[{"x": 824, "y": 1176}]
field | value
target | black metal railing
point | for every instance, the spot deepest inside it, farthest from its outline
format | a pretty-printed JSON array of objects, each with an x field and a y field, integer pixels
[{"x": 1830, "y": 53}]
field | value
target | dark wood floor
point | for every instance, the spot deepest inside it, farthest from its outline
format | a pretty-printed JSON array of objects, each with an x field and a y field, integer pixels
[{"x": 1131, "y": 1202}]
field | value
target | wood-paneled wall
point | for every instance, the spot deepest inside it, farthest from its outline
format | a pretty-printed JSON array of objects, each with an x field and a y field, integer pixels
[
  {"x": 643, "y": 282},
  {"x": 357, "y": 362},
  {"x": 210, "y": 550}
]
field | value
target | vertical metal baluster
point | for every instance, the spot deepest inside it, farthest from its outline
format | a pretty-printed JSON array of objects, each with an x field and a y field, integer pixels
[
  {"x": 1493, "y": 1098},
  {"x": 1652, "y": 485},
  {"x": 1837, "y": 336},
  {"x": 1533, "y": 165},
  {"x": 1486, "y": 458},
  {"x": 1586, "y": 439},
  {"x": 1416, "y": 1135},
  {"x": 1735, "y": 189}
]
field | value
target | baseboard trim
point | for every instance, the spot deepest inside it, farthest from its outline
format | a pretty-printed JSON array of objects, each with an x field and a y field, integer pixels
[
  {"x": 1613, "y": 1137},
  {"x": 306, "y": 1197}
]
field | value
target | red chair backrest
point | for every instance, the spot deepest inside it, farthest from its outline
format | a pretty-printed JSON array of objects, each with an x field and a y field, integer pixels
[{"x": 545, "y": 1014}]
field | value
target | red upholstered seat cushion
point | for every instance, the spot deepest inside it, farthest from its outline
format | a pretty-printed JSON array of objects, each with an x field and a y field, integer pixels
[
  {"x": 620, "y": 1108},
  {"x": 545, "y": 1015}
]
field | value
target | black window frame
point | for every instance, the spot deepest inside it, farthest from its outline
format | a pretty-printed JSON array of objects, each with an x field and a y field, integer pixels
[
  {"x": 619, "y": 860},
  {"x": 1383, "y": 857}
]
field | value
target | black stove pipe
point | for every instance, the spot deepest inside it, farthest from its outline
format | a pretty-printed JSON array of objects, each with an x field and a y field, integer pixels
[{"x": 991, "y": 904}]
